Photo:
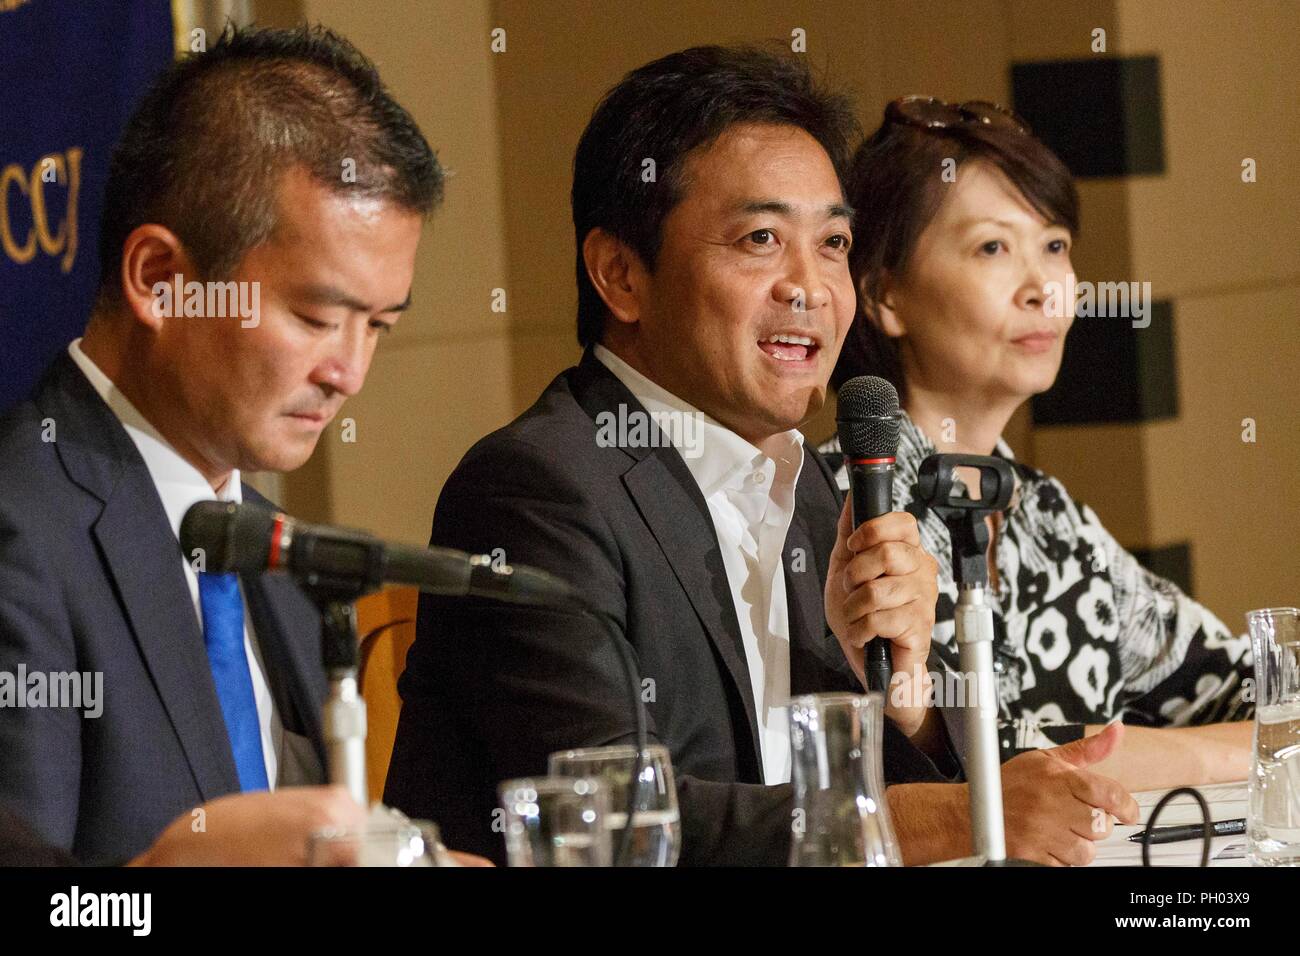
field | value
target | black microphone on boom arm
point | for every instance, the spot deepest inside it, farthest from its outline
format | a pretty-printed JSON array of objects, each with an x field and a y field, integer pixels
[{"x": 337, "y": 565}]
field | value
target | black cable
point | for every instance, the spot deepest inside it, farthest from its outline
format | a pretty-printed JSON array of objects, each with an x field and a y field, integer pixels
[
  {"x": 1207, "y": 833},
  {"x": 623, "y": 850}
]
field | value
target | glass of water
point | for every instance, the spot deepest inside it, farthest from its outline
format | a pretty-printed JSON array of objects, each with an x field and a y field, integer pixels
[
  {"x": 556, "y": 821},
  {"x": 656, "y": 824},
  {"x": 1273, "y": 823},
  {"x": 387, "y": 838}
]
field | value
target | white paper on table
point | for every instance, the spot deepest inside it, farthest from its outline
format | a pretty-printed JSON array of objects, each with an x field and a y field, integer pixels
[{"x": 1227, "y": 801}]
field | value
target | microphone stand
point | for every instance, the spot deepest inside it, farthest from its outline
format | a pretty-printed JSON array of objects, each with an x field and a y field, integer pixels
[
  {"x": 966, "y": 521},
  {"x": 344, "y": 717},
  {"x": 974, "y": 626}
]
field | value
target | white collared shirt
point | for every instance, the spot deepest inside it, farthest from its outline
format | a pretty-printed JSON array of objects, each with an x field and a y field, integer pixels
[
  {"x": 180, "y": 485},
  {"x": 751, "y": 498}
]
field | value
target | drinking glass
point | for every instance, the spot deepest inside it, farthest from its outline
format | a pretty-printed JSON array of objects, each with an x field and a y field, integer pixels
[
  {"x": 1273, "y": 819},
  {"x": 656, "y": 823},
  {"x": 387, "y": 838},
  {"x": 555, "y": 821}
]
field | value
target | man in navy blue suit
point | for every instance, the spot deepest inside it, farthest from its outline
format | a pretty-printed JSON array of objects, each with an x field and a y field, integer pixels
[{"x": 261, "y": 220}]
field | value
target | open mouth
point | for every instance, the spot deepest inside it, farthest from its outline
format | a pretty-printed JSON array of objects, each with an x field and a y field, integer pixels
[{"x": 790, "y": 347}]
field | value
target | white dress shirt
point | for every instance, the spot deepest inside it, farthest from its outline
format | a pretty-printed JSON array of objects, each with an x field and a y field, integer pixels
[
  {"x": 180, "y": 485},
  {"x": 751, "y": 499}
]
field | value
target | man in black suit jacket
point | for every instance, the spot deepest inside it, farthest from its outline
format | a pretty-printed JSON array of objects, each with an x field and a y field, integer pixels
[
  {"x": 724, "y": 325},
  {"x": 489, "y": 691},
  {"x": 170, "y": 394}
]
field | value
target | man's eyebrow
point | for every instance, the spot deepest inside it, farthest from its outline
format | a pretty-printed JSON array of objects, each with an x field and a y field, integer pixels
[
  {"x": 331, "y": 295},
  {"x": 835, "y": 210}
]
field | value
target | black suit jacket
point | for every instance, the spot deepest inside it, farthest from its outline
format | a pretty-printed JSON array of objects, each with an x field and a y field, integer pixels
[
  {"x": 91, "y": 581},
  {"x": 489, "y": 691}
]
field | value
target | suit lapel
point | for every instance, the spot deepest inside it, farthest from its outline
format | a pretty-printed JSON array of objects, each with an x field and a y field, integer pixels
[
  {"x": 816, "y": 662},
  {"x": 143, "y": 559},
  {"x": 679, "y": 519},
  {"x": 670, "y": 502}
]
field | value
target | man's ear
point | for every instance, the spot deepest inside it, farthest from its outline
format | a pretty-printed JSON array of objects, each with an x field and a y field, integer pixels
[
  {"x": 152, "y": 256},
  {"x": 617, "y": 273},
  {"x": 880, "y": 310}
]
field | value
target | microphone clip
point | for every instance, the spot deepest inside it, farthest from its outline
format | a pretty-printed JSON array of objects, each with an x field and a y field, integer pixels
[{"x": 942, "y": 491}]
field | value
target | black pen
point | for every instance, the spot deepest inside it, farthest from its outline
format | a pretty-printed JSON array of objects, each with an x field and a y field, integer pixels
[{"x": 1193, "y": 831}]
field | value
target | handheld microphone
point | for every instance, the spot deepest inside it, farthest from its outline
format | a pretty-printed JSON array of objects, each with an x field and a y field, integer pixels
[
  {"x": 867, "y": 423},
  {"x": 251, "y": 538}
]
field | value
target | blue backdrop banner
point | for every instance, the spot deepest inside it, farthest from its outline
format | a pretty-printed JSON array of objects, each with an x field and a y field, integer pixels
[{"x": 70, "y": 73}]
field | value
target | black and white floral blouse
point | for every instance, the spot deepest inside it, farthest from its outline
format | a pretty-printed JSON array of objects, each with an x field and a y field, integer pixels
[{"x": 1083, "y": 633}]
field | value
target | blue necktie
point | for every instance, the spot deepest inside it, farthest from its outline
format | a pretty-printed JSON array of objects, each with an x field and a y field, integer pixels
[{"x": 223, "y": 633}]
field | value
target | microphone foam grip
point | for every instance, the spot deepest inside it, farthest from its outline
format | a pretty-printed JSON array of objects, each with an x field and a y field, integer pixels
[
  {"x": 229, "y": 536},
  {"x": 867, "y": 418}
]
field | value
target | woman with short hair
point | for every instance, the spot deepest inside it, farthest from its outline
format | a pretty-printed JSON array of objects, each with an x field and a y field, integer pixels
[{"x": 964, "y": 223}]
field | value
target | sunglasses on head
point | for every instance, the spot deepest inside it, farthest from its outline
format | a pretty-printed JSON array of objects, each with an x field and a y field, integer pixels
[{"x": 927, "y": 112}]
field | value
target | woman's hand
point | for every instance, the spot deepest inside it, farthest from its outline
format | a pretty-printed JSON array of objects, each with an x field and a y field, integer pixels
[{"x": 1158, "y": 758}]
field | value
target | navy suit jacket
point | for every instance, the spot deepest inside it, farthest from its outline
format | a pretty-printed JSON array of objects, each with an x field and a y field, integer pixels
[
  {"x": 19, "y": 846},
  {"x": 91, "y": 581}
]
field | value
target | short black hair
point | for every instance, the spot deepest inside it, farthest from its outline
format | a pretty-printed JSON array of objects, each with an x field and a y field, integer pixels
[
  {"x": 204, "y": 151},
  {"x": 665, "y": 110},
  {"x": 895, "y": 188}
]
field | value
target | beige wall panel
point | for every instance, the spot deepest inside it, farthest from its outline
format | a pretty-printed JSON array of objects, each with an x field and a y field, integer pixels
[
  {"x": 1103, "y": 250},
  {"x": 1039, "y": 30},
  {"x": 421, "y": 410},
  {"x": 1103, "y": 466},
  {"x": 822, "y": 425},
  {"x": 277, "y": 13},
  {"x": 1235, "y": 501},
  {"x": 956, "y": 51},
  {"x": 434, "y": 56},
  {"x": 443, "y": 379},
  {"x": 538, "y": 355},
  {"x": 1231, "y": 79}
]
